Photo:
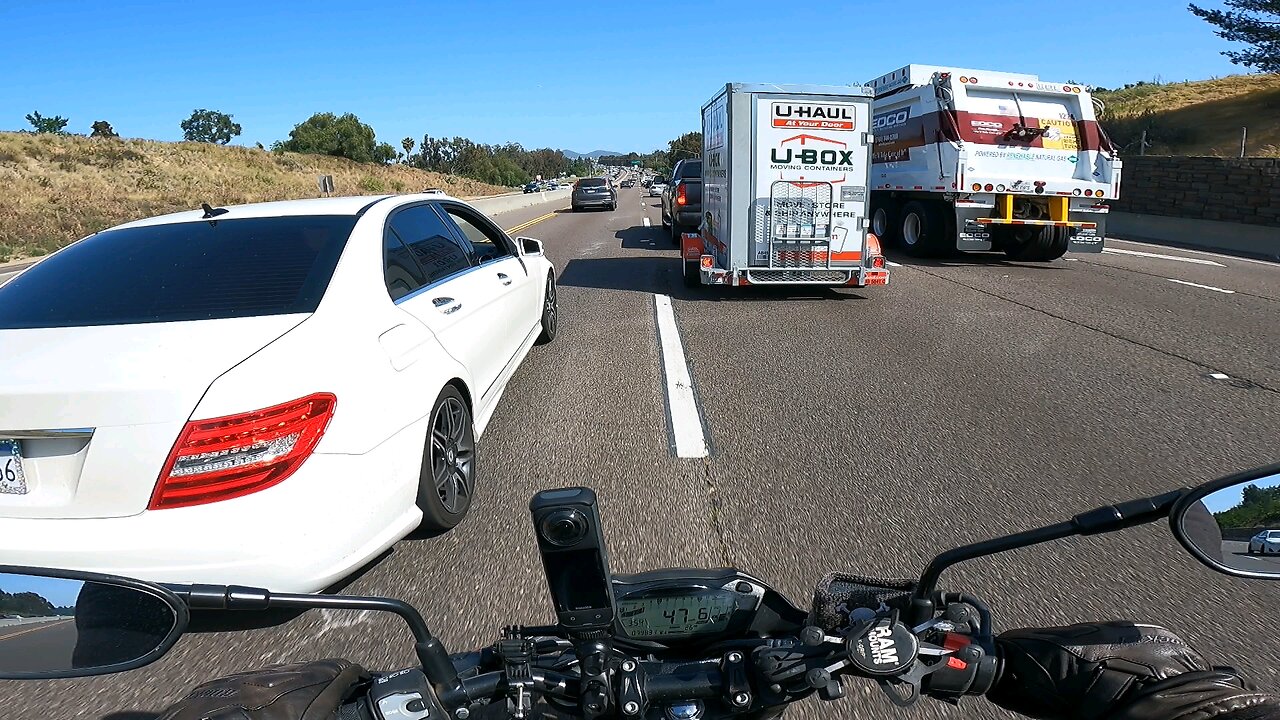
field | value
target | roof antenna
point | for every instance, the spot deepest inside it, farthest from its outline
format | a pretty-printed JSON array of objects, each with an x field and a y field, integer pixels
[{"x": 212, "y": 212}]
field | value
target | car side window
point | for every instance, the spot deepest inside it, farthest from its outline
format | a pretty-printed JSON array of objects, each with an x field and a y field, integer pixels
[
  {"x": 430, "y": 242},
  {"x": 401, "y": 271},
  {"x": 487, "y": 242}
]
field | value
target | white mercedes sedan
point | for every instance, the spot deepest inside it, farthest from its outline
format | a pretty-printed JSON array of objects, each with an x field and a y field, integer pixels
[{"x": 266, "y": 394}]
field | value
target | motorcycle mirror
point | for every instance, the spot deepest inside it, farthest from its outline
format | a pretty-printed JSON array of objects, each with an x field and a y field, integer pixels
[
  {"x": 63, "y": 624},
  {"x": 1233, "y": 524}
]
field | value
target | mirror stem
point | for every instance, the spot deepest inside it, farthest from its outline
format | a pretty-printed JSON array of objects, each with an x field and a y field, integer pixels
[
  {"x": 1100, "y": 520},
  {"x": 431, "y": 652}
]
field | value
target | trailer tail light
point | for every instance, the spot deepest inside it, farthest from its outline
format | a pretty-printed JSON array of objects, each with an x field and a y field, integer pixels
[
  {"x": 227, "y": 457},
  {"x": 682, "y": 195},
  {"x": 707, "y": 261},
  {"x": 989, "y": 187},
  {"x": 1076, "y": 192},
  {"x": 873, "y": 244},
  {"x": 977, "y": 187},
  {"x": 1000, "y": 188}
]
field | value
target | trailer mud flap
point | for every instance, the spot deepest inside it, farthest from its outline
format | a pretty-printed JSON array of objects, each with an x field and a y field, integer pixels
[
  {"x": 691, "y": 247},
  {"x": 1086, "y": 240}
]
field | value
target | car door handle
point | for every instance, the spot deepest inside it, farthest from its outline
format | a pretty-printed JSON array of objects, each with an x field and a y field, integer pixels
[
  {"x": 503, "y": 277},
  {"x": 446, "y": 305}
]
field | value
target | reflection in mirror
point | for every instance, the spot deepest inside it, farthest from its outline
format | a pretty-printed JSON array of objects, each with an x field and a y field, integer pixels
[
  {"x": 1239, "y": 526},
  {"x": 61, "y": 625}
]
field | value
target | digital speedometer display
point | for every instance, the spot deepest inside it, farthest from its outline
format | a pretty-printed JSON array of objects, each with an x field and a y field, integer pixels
[{"x": 673, "y": 616}]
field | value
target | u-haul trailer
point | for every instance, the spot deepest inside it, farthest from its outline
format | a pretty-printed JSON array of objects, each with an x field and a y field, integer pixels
[
  {"x": 784, "y": 189},
  {"x": 981, "y": 160}
]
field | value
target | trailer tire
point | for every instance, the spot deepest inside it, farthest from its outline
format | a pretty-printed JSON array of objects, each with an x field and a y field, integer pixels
[
  {"x": 1056, "y": 241},
  {"x": 691, "y": 274},
  {"x": 922, "y": 228},
  {"x": 884, "y": 223}
]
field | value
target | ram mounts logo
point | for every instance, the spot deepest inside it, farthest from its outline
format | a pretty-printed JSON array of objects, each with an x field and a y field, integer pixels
[
  {"x": 883, "y": 650},
  {"x": 814, "y": 116},
  {"x": 828, "y": 157}
]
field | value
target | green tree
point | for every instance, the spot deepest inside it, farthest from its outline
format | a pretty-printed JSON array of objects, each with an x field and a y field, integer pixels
[
  {"x": 688, "y": 145},
  {"x": 337, "y": 135},
  {"x": 1256, "y": 23},
  {"x": 407, "y": 144},
  {"x": 102, "y": 128},
  {"x": 43, "y": 124},
  {"x": 209, "y": 126}
]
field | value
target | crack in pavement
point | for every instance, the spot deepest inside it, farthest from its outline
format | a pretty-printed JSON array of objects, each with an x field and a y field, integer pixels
[
  {"x": 713, "y": 495},
  {"x": 1108, "y": 333}
]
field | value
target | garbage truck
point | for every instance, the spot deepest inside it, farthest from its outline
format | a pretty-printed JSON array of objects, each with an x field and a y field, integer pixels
[
  {"x": 784, "y": 189},
  {"x": 975, "y": 160}
]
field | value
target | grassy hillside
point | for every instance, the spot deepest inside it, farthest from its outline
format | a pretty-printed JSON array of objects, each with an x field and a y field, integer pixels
[
  {"x": 1200, "y": 117},
  {"x": 56, "y": 189}
]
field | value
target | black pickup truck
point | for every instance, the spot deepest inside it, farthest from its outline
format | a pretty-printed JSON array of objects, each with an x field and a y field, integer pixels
[{"x": 682, "y": 200}]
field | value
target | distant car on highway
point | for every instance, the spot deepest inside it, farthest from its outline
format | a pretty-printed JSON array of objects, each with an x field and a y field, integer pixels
[
  {"x": 594, "y": 192},
  {"x": 628, "y": 183},
  {"x": 532, "y": 187},
  {"x": 269, "y": 394},
  {"x": 1266, "y": 542},
  {"x": 656, "y": 188}
]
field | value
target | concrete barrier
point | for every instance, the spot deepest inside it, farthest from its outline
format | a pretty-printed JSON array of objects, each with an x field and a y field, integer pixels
[
  {"x": 1256, "y": 241},
  {"x": 9, "y": 622},
  {"x": 498, "y": 204}
]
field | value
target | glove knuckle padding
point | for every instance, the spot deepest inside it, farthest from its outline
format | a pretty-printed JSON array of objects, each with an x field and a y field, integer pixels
[
  {"x": 300, "y": 691},
  {"x": 1114, "y": 670}
]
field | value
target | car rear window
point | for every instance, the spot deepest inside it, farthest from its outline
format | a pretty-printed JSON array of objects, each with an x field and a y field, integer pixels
[
  {"x": 691, "y": 169},
  {"x": 592, "y": 182},
  {"x": 181, "y": 271}
]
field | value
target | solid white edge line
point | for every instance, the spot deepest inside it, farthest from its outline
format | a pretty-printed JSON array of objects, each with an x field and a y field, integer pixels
[
  {"x": 1205, "y": 287},
  {"x": 686, "y": 421},
  {"x": 1197, "y": 261},
  {"x": 1219, "y": 376},
  {"x": 1255, "y": 261},
  {"x": 646, "y": 222}
]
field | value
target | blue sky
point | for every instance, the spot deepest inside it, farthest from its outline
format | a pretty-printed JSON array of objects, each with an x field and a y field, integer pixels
[
  {"x": 1228, "y": 498},
  {"x": 60, "y": 592},
  {"x": 565, "y": 74}
]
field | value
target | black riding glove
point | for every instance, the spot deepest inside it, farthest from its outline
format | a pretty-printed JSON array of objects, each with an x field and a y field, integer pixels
[
  {"x": 1118, "y": 671},
  {"x": 302, "y": 691}
]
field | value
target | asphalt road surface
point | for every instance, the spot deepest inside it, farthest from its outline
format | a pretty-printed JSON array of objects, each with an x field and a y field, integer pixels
[
  {"x": 40, "y": 646},
  {"x": 1235, "y": 554},
  {"x": 857, "y": 430}
]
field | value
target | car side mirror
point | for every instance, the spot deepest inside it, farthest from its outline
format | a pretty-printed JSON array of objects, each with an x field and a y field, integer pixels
[
  {"x": 63, "y": 624},
  {"x": 1233, "y": 524},
  {"x": 529, "y": 246}
]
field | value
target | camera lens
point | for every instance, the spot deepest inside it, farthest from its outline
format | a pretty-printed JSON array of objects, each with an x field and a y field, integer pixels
[{"x": 564, "y": 527}]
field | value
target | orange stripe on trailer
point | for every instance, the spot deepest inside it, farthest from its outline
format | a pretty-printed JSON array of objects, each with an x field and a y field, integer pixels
[
  {"x": 1045, "y": 223},
  {"x": 818, "y": 256}
]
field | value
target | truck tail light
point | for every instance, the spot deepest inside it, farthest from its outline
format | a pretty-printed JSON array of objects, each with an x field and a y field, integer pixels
[
  {"x": 227, "y": 457},
  {"x": 707, "y": 261},
  {"x": 682, "y": 196}
]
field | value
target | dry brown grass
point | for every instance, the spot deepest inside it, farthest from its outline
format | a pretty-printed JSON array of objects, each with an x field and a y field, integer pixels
[
  {"x": 1201, "y": 117},
  {"x": 57, "y": 189}
]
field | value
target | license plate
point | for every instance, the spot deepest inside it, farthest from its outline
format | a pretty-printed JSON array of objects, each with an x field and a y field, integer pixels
[{"x": 12, "y": 480}]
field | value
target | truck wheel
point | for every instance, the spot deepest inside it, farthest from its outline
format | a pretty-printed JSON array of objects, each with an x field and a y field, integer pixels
[
  {"x": 1056, "y": 241},
  {"x": 884, "y": 223},
  {"x": 691, "y": 274},
  {"x": 923, "y": 228}
]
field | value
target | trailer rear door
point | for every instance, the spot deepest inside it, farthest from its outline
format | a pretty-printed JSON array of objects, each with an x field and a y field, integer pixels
[
  {"x": 811, "y": 161},
  {"x": 1023, "y": 133}
]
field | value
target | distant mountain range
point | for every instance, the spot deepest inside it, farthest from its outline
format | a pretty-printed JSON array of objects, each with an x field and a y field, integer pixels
[{"x": 594, "y": 154}]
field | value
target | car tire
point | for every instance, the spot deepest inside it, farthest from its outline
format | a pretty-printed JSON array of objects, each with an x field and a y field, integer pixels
[
  {"x": 675, "y": 231},
  {"x": 923, "y": 228},
  {"x": 692, "y": 276},
  {"x": 550, "y": 313},
  {"x": 575, "y": 208},
  {"x": 447, "y": 480}
]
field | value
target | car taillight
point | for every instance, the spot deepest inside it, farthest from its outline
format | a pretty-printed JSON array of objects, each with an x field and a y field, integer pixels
[
  {"x": 681, "y": 197},
  {"x": 227, "y": 457}
]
